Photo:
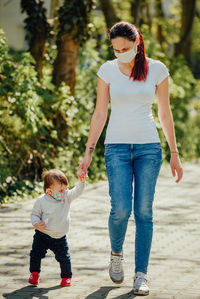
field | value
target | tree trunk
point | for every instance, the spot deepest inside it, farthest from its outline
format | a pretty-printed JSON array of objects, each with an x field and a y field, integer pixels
[
  {"x": 159, "y": 17},
  {"x": 72, "y": 33},
  {"x": 187, "y": 18},
  {"x": 37, "y": 49},
  {"x": 141, "y": 13},
  {"x": 109, "y": 13},
  {"x": 135, "y": 11},
  {"x": 66, "y": 61},
  {"x": 37, "y": 30},
  {"x": 149, "y": 20},
  {"x": 54, "y": 16}
]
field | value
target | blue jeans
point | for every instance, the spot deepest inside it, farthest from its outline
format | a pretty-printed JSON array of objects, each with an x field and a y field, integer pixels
[{"x": 123, "y": 163}]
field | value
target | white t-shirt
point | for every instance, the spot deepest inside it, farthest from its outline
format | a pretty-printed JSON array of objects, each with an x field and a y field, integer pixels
[{"x": 131, "y": 120}]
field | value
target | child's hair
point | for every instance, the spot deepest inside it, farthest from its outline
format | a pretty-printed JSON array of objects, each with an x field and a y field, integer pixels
[{"x": 50, "y": 176}]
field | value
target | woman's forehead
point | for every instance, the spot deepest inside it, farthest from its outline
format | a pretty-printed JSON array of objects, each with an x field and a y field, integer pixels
[{"x": 120, "y": 43}]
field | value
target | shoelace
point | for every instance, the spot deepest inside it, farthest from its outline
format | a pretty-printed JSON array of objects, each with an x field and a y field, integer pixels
[{"x": 116, "y": 264}]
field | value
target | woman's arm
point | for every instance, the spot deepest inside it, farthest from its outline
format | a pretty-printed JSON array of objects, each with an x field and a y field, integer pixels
[
  {"x": 167, "y": 123},
  {"x": 96, "y": 126}
]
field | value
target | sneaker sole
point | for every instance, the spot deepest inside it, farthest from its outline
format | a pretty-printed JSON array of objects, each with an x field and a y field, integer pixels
[
  {"x": 116, "y": 281},
  {"x": 142, "y": 293}
]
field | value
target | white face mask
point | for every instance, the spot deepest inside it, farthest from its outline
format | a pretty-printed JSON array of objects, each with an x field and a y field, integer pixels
[{"x": 126, "y": 56}]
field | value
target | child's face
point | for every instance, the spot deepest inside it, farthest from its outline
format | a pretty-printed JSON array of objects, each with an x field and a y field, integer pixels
[{"x": 56, "y": 188}]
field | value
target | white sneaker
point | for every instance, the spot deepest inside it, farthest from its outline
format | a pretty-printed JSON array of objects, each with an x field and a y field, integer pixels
[
  {"x": 140, "y": 286},
  {"x": 116, "y": 271}
]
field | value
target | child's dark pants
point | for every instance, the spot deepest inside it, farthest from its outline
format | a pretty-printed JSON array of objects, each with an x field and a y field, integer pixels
[{"x": 43, "y": 242}]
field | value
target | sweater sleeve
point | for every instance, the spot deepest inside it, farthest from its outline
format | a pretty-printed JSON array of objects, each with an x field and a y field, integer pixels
[
  {"x": 75, "y": 192},
  {"x": 36, "y": 214}
]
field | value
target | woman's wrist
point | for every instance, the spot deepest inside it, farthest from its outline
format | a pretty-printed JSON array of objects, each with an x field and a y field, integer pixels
[
  {"x": 174, "y": 151},
  {"x": 89, "y": 151}
]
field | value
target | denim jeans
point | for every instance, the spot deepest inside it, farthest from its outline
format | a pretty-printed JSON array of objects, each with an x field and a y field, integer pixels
[
  {"x": 125, "y": 162},
  {"x": 43, "y": 242}
]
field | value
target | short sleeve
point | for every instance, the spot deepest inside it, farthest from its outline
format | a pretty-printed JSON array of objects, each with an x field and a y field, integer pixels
[
  {"x": 162, "y": 72},
  {"x": 103, "y": 73}
]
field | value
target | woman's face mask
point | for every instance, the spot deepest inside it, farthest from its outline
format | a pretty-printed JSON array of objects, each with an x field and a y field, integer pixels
[{"x": 127, "y": 56}]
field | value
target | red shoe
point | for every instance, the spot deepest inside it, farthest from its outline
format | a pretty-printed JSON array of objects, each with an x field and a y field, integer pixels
[
  {"x": 34, "y": 278},
  {"x": 66, "y": 282}
]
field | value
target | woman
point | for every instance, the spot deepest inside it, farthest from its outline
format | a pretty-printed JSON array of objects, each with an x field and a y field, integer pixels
[{"x": 132, "y": 145}]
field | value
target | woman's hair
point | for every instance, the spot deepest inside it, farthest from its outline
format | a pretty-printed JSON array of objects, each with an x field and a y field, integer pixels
[
  {"x": 130, "y": 31},
  {"x": 50, "y": 176}
]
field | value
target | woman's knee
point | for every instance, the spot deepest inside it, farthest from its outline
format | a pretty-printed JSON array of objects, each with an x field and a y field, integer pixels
[
  {"x": 143, "y": 215},
  {"x": 120, "y": 213}
]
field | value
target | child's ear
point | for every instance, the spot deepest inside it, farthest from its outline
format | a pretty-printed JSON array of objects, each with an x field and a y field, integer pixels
[{"x": 48, "y": 191}]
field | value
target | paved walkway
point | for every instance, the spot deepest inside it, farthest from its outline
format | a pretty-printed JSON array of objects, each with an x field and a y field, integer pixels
[{"x": 174, "y": 267}]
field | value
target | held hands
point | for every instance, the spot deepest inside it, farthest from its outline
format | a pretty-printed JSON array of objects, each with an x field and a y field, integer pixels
[
  {"x": 82, "y": 169},
  {"x": 40, "y": 225},
  {"x": 176, "y": 167}
]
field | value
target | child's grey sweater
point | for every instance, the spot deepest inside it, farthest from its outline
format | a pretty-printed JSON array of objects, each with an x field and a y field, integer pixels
[{"x": 55, "y": 213}]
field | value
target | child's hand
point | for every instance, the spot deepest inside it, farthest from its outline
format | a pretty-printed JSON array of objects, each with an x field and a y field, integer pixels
[
  {"x": 82, "y": 179},
  {"x": 82, "y": 169},
  {"x": 40, "y": 226}
]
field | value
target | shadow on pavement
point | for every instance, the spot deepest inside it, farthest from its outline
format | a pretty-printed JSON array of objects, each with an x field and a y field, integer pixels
[
  {"x": 103, "y": 293},
  {"x": 29, "y": 292}
]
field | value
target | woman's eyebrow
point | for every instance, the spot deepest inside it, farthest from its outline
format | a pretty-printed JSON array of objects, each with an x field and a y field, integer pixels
[{"x": 121, "y": 49}]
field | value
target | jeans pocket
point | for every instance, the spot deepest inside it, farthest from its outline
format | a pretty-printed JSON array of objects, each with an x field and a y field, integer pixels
[
  {"x": 109, "y": 148},
  {"x": 110, "y": 145}
]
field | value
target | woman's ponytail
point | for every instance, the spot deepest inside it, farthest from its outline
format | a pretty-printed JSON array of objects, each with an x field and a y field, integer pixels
[{"x": 140, "y": 69}]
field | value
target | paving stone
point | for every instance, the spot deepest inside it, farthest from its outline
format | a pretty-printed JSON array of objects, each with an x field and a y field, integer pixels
[{"x": 174, "y": 268}]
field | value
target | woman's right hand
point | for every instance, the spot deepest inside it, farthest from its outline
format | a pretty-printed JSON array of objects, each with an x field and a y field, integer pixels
[{"x": 82, "y": 169}]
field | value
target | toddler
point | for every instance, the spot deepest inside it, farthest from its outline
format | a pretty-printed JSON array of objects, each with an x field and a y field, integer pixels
[{"x": 50, "y": 218}]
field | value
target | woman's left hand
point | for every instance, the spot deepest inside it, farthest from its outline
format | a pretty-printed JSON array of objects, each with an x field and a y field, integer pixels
[{"x": 176, "y": 167}]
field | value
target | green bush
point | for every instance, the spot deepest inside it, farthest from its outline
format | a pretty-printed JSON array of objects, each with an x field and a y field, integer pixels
[
  {"x": 39, "y": 125},
  {"x": 42, "y": 126},
  {"x": 183, "y": 88}
]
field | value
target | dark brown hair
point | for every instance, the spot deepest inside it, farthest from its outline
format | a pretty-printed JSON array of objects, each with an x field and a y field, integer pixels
[
  {"x": 50, "y": 176},
  {"x": 130, "y": 31}
]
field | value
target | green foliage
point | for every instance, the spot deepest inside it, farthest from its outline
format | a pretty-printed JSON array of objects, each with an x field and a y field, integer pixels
[
  {"x": 44, "y": 127},
  {"x": 78, "y": 13},
  {"x": 89, "y": 62},
  {"x": 195, "y": 48},
  {"x": 182, "y": 91},
  {"x": 35, "y": 22},
  {"x": 36, "y": 124},
  {"x": 183, "y": 88}
]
